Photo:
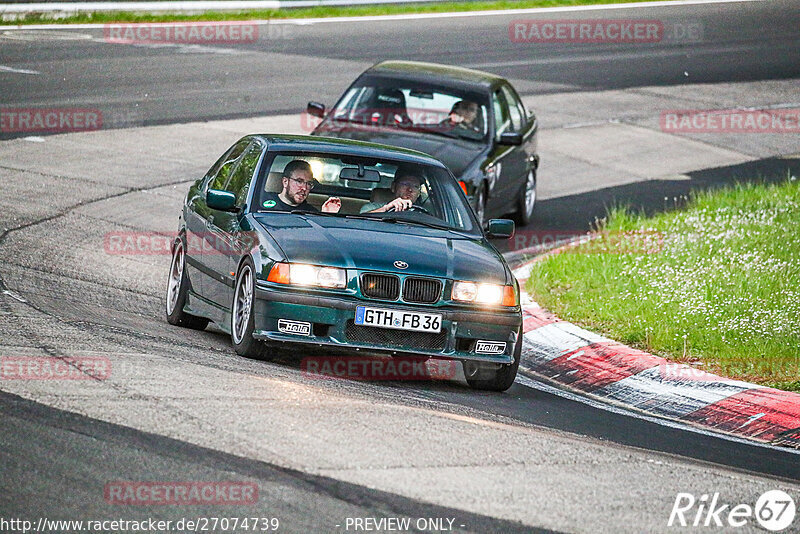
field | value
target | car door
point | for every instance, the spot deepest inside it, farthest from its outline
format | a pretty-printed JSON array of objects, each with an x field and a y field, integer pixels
[
  {"x": 528, "y": 128},
  {"x": 199, "y": 242},
  {"x": 224, "y": 228},
  {"x": 508, "y": 161}
]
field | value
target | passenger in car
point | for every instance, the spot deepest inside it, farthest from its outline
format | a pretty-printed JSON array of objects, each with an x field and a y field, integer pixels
[
  {"x": 406, "y": 188},
  {"x": 298, "y": 181}
]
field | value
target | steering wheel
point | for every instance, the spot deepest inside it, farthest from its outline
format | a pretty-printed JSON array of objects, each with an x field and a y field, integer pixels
[{"x": 413, "y": 207}]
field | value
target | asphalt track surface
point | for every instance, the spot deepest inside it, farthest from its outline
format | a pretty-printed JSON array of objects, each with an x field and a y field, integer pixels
[
  {"x": 291, "y": 64},
  {"x": 62, "y": 458}
]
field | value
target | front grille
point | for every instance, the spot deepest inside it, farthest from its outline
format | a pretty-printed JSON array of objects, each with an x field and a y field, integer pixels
[
  {"x": 403, "y": 339},
  {"x": 380, "y": 286},
  {"x": 422, "y": 290}
]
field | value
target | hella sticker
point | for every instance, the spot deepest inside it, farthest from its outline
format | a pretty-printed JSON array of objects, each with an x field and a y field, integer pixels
[
  {"x": 294, "y": 327},
  {"x": 490, "y": 347}
]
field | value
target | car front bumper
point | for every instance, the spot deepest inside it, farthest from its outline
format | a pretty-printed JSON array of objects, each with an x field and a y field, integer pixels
[{"x": 332, "y": 325}]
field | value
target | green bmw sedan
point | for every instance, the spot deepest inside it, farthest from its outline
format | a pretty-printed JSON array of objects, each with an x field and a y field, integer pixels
[{"x": 349, "y": 246}]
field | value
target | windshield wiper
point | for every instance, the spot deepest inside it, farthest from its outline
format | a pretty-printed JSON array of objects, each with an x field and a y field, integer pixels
[
  {"x": 420, "y": 223},
  {"x": 329, "y": 214}
]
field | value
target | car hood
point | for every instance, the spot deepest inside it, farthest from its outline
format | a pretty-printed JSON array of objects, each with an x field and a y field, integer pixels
[
  {"x": 375, "y": 245},
  {"x": 457, "y": 154}
]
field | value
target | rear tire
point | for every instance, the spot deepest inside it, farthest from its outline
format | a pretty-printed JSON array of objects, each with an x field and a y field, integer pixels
[
  {"x": 498, "y": 379},
  {"x": 527, "y": 200},
  {"x": 242, "y": 317},
  {"x": 480, "y": 204},
  {"x": 178, "y": 287}
]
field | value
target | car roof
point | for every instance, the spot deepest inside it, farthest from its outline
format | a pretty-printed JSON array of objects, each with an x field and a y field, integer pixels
[
  {"x": 348, "y": 147},
  {"x": 434, "y": 72}
]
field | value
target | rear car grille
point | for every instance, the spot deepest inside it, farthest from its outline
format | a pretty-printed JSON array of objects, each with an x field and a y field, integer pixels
[
  {"x": 402, "y": 339},
  {"x": 380, "y": 286},
  {"x": 387, "y": 287},
  {"x": 422, "y": 290}
]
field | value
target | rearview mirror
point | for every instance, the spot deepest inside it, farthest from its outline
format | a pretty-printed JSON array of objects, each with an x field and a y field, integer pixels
[
  {"x": 510, "y": 138},
  {"x": 221, "y": 200},
  {"x": 500, "y": 228},
  {"x": 359, "y": 175},
  {"x": 316, "y": 109}
]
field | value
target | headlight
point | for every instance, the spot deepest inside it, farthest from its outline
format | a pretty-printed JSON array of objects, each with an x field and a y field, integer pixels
[
  {"x": 488, "y": 294},
  {"x": 302, "y": 274}
]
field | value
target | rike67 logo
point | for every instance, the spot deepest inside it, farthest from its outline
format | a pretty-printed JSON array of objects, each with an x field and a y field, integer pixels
[{"x": 774, "y": 511}]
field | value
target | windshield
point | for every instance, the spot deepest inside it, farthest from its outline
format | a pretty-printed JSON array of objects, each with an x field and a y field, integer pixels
[
  {"x": 365, "y": 188},
  {"x": 402, "y": 104}
]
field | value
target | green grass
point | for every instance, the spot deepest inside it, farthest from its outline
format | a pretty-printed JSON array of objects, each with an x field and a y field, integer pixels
[
  {"x": 313, "y": 12},
  {"x": 720, "y": 291}
]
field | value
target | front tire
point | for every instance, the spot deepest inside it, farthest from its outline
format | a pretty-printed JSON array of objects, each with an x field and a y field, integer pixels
[
  {"x": 499, "y": 379},
  {"x": 178, "y": 287},
  {"x": 242, "y": 317}
]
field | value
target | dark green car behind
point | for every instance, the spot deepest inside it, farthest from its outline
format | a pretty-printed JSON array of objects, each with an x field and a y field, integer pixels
[{"x": 255, "y": 255}]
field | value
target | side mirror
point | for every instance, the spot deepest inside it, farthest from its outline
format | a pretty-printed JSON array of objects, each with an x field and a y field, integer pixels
[
  {"x": 316, "y": 109},
  {"x": 500, "y": 228},
  {"x": 510, "y": 138},
  {"x": 221, "y": 200}
]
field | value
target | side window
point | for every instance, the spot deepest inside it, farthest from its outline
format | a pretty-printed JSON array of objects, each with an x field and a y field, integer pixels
[
  {"x": 515, "y": 109},
  {"x": 240, "y": 181},
  {"x": 502, "y": 121},
  {"x": 219, "y": 179}
]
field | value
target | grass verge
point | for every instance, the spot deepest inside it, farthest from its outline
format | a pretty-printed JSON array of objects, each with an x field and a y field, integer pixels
[
  {"x": 715, "y": 284},
  {"x": 312, "y": 12}
]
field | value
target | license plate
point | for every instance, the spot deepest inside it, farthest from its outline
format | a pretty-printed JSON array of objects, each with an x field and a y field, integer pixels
[{"x": 398, "y": 319}]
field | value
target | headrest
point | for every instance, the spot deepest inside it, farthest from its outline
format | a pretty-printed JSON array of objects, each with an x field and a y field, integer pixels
[
  {"x": 381, "y": 195},
  {"x": 390, "y": 99},
  {"x": 274, "y": 183}
]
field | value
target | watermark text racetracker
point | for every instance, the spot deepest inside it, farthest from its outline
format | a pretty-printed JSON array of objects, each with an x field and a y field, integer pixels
[
  {"x": 218, "y": 32},
  {"x": 779, "y": 120},
  {"x": 581, "y": 242},
  {"x": 180, "y": 493},
  {"x": 433, "y": 119},
  {"x": 126, "y": 243},
  {"x": 49, "y": 120},
  {"x": 358, "y": 368},
  {"x": 52, "y": 368},
  {"x": 604, "y": 31}
]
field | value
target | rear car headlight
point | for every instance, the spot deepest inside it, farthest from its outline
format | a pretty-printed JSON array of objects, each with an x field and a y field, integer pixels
[
  {"x": 303, "y": 274},
  {"x": 488, "y": 294}
]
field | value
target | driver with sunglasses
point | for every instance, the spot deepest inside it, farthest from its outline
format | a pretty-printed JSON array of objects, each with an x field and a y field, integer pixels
[{"x": 298, "y": 181}]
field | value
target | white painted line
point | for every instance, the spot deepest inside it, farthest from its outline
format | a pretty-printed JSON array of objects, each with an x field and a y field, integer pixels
[
  {"x": 4, "y": 68},
  {"x": 591, "y": 58},
  {"x": 751, "y": 419},
  {"x": 556, "y": 339},
  {"x": 14, "y": 296},
  {"x": 576, "y": 355},
  {"x": 411, "y": 16},
  {"x": 651, "y": 391},
  {"x": 547, "y": 388}
]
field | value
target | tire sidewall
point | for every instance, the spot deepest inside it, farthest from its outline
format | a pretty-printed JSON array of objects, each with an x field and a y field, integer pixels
[
  {"x": 247, "y": 346},
  {"x": 524, "y": 215},
  {"x": 176, "y": 316}
]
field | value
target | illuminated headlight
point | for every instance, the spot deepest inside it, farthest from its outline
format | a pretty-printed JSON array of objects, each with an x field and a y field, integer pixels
[
  {"x": 487, "y": 294},
  {"x": 302, "y": 274}
]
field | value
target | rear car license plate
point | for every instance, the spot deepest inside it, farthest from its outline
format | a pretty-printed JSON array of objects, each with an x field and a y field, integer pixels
[{"x": 398, "y": 319}]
